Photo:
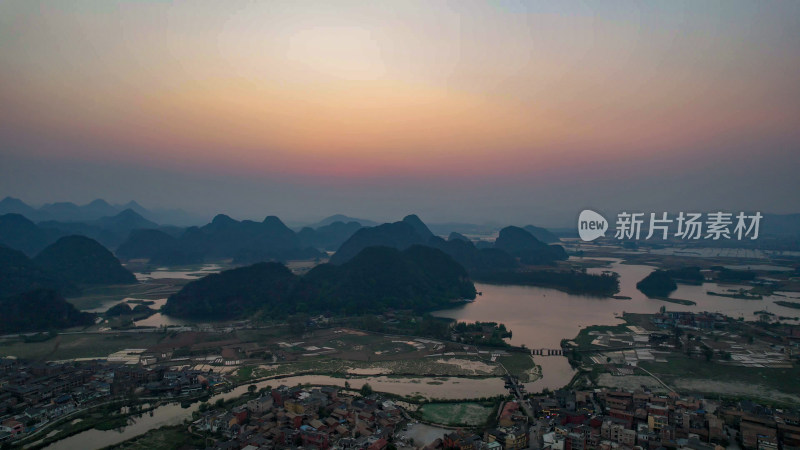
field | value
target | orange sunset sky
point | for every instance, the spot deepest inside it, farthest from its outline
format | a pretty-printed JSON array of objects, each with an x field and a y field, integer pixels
[{"x": 469, "y": 111}]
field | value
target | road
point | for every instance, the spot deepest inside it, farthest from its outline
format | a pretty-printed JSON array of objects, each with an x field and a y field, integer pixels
[{"x": 517, "y": 393}]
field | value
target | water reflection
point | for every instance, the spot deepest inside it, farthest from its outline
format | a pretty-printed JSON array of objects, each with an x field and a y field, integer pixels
[
  {"x": 541, "y": 317},
  {"x": 186, "y": 274}
]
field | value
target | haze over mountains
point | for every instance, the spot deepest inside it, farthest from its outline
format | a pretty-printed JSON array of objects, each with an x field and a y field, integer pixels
[
  {"x": 17, "y": 231},
  {"x": 130, "y": 235},
  {"x": 402, "y": 264},
  {"x": 96, "y": 209}
]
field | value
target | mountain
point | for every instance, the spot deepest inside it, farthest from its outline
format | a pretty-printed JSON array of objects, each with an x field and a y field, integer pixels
[
  {"x": 70, "y": 212},
  {"x": 11, "y": 205},
  {"x": 457, "y": 236},
  {"x": 328, "y": 237},
  {"x": 342, "y": 218},
  {"x": 175, "y": 217},
  {"x": 474, "y": 259},
  {"x": 399, "y": 235},
  {"x": 541, "y": 234},
  {"x": 98, "y": 208},
  {"x": 418, "y": 278},
  {"x": 110, "y": 231},
  {"x": 249, "y": 241},
  {"x": 246, "y": 242},
  {"x": 157, "y": 246},
  {"x": 520, "y": 243},
  {"x": 64, "y": 211},
  {"x": 106, "y": 237},
  {"x": 658, "y": 283},
  {"x": 124, "y": 222},
  {"x": 82, "y": 260},
  {"x": 39, "y": 310},
  {"x": 412, "y": 231},
  {"x": 19, "y": 233},
  {"x": 133, "y": 205},
  {"x": 19, "y": 274},
  {"x": 378, "y": 278},
  {"x": 445, "y": 228},
  {"x": 235, "y": 293},
  {"x": 418, "y": 226},
  {"x": 781, "y": 225}
]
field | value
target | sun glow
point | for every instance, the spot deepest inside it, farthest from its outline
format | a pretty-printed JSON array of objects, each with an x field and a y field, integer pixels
[{"x": 347, "y": 53}]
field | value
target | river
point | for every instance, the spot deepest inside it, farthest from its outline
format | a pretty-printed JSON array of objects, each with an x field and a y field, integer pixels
[
  {"x": 538, "y": 318},
  {"x": 174, "y": 414}
]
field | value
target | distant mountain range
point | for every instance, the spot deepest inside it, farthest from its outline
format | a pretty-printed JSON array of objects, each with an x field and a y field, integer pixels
[
  {"x": 245, "y": 241},
  {"x": 341, "y": 218},
  {"x": 513, "y": 243},
  {"x": 97, "y": 209},
  {"x": 19, "y": 232}
]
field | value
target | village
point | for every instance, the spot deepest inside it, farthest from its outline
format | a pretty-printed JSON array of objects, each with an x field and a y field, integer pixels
[
  {"x": 615, "y": 400},
  {"x": 34, "y": 394}
]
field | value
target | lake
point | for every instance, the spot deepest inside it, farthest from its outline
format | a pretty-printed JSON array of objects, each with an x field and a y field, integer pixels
[{"x": 542, "y": 317}]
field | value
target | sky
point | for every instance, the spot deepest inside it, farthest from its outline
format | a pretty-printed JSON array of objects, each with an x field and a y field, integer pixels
[{"x": 510, "y": 112}]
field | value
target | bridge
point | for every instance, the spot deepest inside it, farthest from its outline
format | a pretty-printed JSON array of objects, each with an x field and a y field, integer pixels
[{"x": 547, "y": 352}]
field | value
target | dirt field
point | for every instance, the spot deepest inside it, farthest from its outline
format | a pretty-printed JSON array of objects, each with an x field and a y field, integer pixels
[{"x": 687, "y": 385}]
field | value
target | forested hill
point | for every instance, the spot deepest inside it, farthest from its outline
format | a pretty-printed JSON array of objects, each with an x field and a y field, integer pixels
[
  {"x": 39, "y": 310},
  {"x": 81, "y": 260},
  {"x": 376, "y": 279}
]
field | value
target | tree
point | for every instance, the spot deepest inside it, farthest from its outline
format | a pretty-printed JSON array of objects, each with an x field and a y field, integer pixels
[
  {"x": 347, "y": 385},
  {"x": 366, "y": 390},
  {"x": 709, "y": 353},
  {"x": 252, "y": 388}
]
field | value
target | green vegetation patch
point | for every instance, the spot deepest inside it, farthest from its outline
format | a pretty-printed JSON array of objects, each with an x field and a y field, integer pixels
[
  {"x": 78, "y": 345},
  {"x": 459, "y": 414},
  {"x": 783, "y": 380},
  {"x": 165, "y": 438},
  {"x": 589, "y": 334},
  {"x": 522, "y": 366}
]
